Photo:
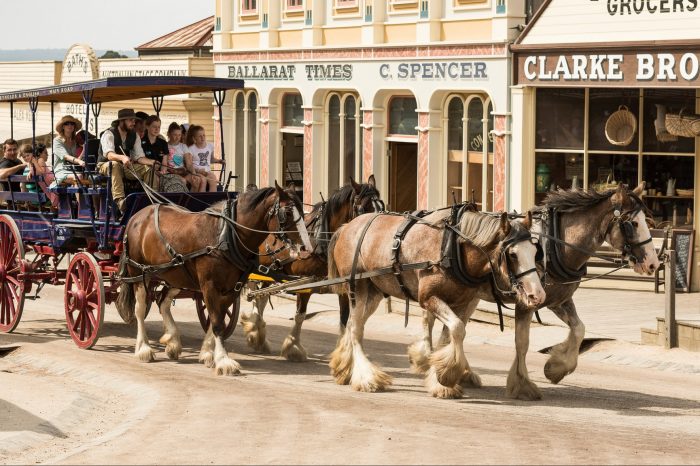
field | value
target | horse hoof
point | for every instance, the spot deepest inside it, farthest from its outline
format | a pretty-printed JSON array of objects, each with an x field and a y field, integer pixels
[
  {"x": 555, "y": 371},
  {"x": 437, "y": 390},
  {"x": 375, "y": 381},
  {"x": 419, "y": 358},
  {"x": 228, "y": 367},
  {"x": 207, "y": 358},
  {"x": 470, "y": 379},
  {"x": 524, "y": 390},
  {"x": 146, "y": 354},
  {"x": 173, "y": 351},
  {"x": 293, "y": 351}
]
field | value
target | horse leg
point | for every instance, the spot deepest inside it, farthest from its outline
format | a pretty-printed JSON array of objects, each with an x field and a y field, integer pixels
[
  {"x": 519, "y": 384},
  {"x": 344, "y": 305},
  {"x": 292, "y": 348},
  {"x": 223, "y": 364},
  {"x": 171, "y": 334},
  {"x": 143, "y": 349},
  {"x": 419, "y": 351},
  {"x": 563, "y": 358},
  {"x": 254, "y": 325},
  {"x": 349, "y": 363},
  {"x": 448, "y": 363},
  {"x": 470, "y": 379},
  {"x": 206, "y": 354}
]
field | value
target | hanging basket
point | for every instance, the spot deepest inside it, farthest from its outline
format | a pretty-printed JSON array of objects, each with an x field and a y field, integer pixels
[
  {"x": 662, "y": 134},
  {"x": 621, "y": 127},
  {"x": 683, "y": 125}
]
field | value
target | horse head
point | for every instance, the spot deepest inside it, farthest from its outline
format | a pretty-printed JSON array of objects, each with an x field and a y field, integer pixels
[
  {"x": 628, "y": 230},
  {"x": 365, "y": 198},
  {"x": 285, "y": 219},
  {"x": 516, "y": 260}
]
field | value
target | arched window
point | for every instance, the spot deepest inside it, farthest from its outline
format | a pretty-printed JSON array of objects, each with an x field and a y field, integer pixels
[
  {"x": 333, "y": 143},
  {"x": 350, "y": 153},
  {"x": 403, "y": 118},
  {"x": 468, "y": 177},
  {"x": 239, "y": 118},
  {"x": 292, "y": 111},
  {"x": 252, "y": 168}
]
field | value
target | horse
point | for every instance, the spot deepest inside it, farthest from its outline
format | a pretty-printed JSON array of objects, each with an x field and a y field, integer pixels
[
  {"x": 365, "y": 244},
  {"x": 208, "y": 251},
  {"x": 572, "y": 226},
  {"x": 324, "y": 219}
]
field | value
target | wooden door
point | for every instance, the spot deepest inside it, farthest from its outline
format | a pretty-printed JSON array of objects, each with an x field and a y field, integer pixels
[{"x": 403, "y": 176}]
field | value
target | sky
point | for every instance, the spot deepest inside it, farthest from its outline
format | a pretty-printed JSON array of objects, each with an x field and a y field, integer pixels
[{"x": 102, "y": 24}]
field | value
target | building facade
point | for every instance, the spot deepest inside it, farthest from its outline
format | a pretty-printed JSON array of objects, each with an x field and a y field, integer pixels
[
  {"x": 571, "y": 81},
  {"x": 414, "y": 92}
]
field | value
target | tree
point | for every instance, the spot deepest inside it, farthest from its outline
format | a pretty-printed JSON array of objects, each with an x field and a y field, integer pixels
[{"x": 112, "y": 54}]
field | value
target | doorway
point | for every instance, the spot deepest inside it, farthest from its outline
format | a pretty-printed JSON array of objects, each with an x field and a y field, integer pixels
[
  {"x": 293, "y": 162},
  {"x": 403, "y": 176}
]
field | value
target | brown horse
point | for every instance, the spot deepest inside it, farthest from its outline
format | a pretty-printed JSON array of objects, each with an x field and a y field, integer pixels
[
  {"x": 208, "y": 251},
  {"x": 486, "y": 241},
  {"x": 324, "y": 219},
  {"x": 584, "y": 219}
]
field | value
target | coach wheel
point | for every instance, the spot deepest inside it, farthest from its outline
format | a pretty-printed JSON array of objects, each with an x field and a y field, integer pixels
[
  {"x": 230, "y": 319},
  {"x": 12, "y": 286},
  {"x": 85, "y": 300}
]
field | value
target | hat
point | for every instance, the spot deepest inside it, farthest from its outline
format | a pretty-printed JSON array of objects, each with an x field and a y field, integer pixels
[
  {"x": 68, "y": 119},
  {"x": 126, "y": 114},
  {"x": 142, "y": 115}
]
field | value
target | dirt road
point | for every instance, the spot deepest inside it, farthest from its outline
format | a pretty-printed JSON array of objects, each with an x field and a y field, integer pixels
[{"x": 60, "y": 404}]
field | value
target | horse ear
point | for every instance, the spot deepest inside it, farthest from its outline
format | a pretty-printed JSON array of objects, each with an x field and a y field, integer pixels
[
  {"x": 505, "y": 224},
  {"x": 355, "y": 186},
  {"x": 638, "y": 190},
  {"x": 280, "y": 192},
  {"x": 619, "y": 196},
  {"x": 371, "y": 181},
  {"x": 527, "y": 223}
]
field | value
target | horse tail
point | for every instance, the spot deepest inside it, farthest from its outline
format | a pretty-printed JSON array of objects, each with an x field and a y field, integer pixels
[
  {"x": 126, "y": 301},
  {"x": 332, "y": 267}
]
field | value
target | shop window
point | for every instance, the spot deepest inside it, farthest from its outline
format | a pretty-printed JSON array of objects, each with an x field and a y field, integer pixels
[
  {"x": 292, "y": 111},
  {"x": 333, "y": 143},
  {"x": 350, "y": 139},
  {"x": 658, "y": 101},
  {"x": 489, "y": 132},
  {"x": 455, "y": 125},
  {"x": 475, "y": 126},
  {"x": 560, "y": 118},
  {"x": 239, "y": 119},
  {"x": 602, "y": 104},
  {"x": 252, "y": 168},
  {"x": 673, "y": 206},
  {"x": 604, "y": 169},
  {"x": 403, "y": 118}
]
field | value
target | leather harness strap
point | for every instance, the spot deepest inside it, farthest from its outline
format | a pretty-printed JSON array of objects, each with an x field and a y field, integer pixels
[{"x": 398, "y": 269}]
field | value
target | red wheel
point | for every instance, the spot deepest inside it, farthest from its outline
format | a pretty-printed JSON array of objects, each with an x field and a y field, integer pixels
[
  {"x": 230, "y": 319},
  {"x": 12, "y": 287},
  {"x": 85, "y": 300}
]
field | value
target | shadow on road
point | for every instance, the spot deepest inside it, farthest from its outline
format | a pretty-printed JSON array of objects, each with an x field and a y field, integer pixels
[{"x": 15, "y": 419}]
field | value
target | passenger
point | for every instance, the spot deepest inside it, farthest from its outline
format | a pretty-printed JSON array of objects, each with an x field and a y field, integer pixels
[
  {"x": 121, "y": 144},
  {"x": 140, "y": 126},
  {"x": 38, "y": 172},
  {"x": 154, "y": 147},
  {"x": 183, "y": 137},
  {"x": 202, "y": 154},
  {"x": 26, "y": 153},
  {"x": 65, "y": 147},
  {"x": 10, "y": 164},
  {"x": 181, "y": 159}
]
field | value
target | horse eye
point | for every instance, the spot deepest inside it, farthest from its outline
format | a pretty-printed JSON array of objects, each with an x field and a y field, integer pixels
[
  {"x": 635, "y": 224},
  {"x": 513, "y": 255}
]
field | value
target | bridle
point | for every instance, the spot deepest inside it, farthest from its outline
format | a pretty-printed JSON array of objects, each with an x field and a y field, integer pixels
[
  {"x": 283, "y": 214},
  {"x": 623, "y": 220},
  {"x": 503, "y": 257},
  {"x": 358, "y": 204}
]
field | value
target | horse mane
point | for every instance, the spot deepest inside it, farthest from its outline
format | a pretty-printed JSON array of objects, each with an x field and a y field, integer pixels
[
  {"x": 575, "y": 200},
  {"x": 342, "y": 196},
  {"x": 249, "y": 200},
  {"x": 481, "y": 229}
]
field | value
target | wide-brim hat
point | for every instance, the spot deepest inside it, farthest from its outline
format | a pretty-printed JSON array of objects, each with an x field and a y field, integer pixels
[
  {"x": 67, "y": 119},
  {"x": 126, "y": 114}
]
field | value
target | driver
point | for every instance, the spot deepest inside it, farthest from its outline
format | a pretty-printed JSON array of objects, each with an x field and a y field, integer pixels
[{"x": 121, "y": 144}]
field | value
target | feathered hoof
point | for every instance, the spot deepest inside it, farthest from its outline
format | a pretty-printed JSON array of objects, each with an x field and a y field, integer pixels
[
  {"x": 145, "y": 354},
  {"x": 173, "y": 350},
  {"x": 555, "y": 370},
  {"x": 419, "y": 357},
  {"x": 370, "y": 380},
  {"x": 207, "y": 358},
  {"x": 292, "y": 350},
  {"x": 437, "y": 390},
  {"x": 470, "y": 379},
  {"x": 227, "y": 366},
  {"x": 447, "y": 369},
  {"x": 341, "y": 366},
  {"x": 255, "y": 330},
  {"x": 523, "y": 389}
]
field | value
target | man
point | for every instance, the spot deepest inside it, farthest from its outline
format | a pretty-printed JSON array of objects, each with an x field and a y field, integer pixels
[
  {"x": 140, "y": 126},
  {"x": 121, "y": 145},
  {"x": 10, "y": 164}
]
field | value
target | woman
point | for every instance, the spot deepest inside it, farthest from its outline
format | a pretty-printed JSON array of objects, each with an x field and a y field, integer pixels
[
  {"x": 65, "y": 149},
  {"x": 156, "y": 149},
  {"x": 203, "y": 155},
  {"x": 181, "y": 160},
  {"x": 37, "y": 171}
]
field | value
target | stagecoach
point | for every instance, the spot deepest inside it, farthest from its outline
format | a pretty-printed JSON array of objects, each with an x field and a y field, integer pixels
[{"x": 78, "y": 245}]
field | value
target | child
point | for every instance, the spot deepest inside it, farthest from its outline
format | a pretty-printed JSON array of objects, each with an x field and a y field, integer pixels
[
  {"x": 202, "y": 154},
  {"x": 180, "y": 160}
]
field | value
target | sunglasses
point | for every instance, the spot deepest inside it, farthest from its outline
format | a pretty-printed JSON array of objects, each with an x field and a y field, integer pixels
[{"x": 69, "y": 123}]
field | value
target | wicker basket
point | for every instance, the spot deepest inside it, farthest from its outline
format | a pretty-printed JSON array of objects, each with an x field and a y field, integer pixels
[
  {"x": 621, "y": 127},
  {"x": 662, "y": 134},
  {"x": 684, "y": 125}
]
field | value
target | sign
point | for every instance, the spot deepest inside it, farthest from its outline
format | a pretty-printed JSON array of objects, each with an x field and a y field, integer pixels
[
  {"x": 79, "y": 64},
  {"x": 682, "y": 241},
  {"x": 139, "y": 73},
  {"x": 434, "y": 71},
  {"x": 263, "y": 72},
  {"x": 628, "y": 69}
]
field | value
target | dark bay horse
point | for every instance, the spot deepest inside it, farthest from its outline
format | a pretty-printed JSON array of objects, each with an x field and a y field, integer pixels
[
  {"x": 584, "y": 219},
  {"x": 215, "y": 250},
  {"x": 489, "y": 240},
  {"x": 324, "y": 219}
]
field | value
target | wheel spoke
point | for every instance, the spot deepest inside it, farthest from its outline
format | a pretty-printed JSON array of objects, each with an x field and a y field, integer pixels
[
  {"x": 92, "y": 320},
  {"x": 83, "y": 325},
  {"x": 4, "y": 317},
  {"x": 81, "y": 274},
  {"x": 77, "y": 321},
  {"x": 73, "y": 280}
]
